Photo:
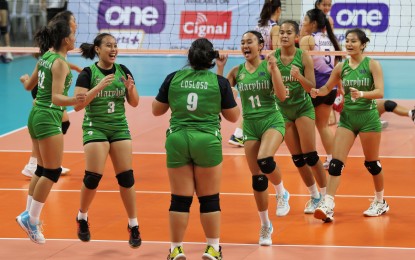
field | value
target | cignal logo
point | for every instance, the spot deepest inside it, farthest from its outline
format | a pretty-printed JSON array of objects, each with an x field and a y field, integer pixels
[
  {"x": 207, "y": 24},
  {"x": 144, "y": 15},
  {"x": 370, "y": 16}
]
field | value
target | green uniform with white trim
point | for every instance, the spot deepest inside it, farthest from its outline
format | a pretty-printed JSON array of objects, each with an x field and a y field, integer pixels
[
  {"x": 45, "y": 119},
  {"x": 360, "y": 115},
  {"x": 104, "y": 118},
  {"x": 259, "y": 103},
  {"x": 298, "y": 102}
]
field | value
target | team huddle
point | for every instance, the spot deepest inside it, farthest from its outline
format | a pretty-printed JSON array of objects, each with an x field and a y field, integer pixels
[{"x": 284, "y": 96}]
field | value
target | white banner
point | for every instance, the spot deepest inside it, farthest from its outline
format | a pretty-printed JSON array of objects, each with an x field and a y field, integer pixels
[{"x": 174, "y": 24}]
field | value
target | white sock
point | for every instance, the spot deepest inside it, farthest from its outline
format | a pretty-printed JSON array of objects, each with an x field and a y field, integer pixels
[
  {"x": 214, "y": 242},
  {"x": 314, "y": 191},
  {"x": 323, "y": 191},
  {"x": 379, "y": 196},
  {"x": 263, "y": 215},
  {"x": 83, "y": 216},
  {"x": 329, "y": 157},
  {"x": 174, "y": 245},
  {"x": 238, "y": 133},
  {"x": 28, "y": 202},
  {"x": 33, "y": 160},
  {"x": 329, "y": 200},
  {"x": 279, "y": 188},
  {"x": 35, "y": 210},
  {"x": 132, "y": 222}
]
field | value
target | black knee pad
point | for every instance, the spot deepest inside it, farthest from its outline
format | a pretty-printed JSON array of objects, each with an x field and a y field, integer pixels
[
  {"x": 92, "y": 179},
  {"x": 3, "y": 30},
  {"x": 209, "y": 203},
  {"x": 298, "y": 160},
  {"x": 336, "y": 167},
  {"x": 39, "y": 171},
  {"x": 390, "y": 105},
  {"x": 311, "y": 158},
  {"x": 374, "y": 167},
  {"x": 65, "y": 126},
  {"x": 126, "y": 179},
  {"x": 180, "y": 203},
  {"x": 52, "y": 174},
  {"x": 259, "y": 182},
  {"x": 267, "y": 165}
]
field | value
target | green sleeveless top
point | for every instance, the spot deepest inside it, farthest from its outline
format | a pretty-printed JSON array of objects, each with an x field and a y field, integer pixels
[
  {"x": 107, "y": 109},
  {"x": 361, "y": 79},
  {"x": 44, "y": 93},
  {"x": 256, "y": 91},
  {"x": 297, "y": 93},
  {"x": 195, "y": 100}
]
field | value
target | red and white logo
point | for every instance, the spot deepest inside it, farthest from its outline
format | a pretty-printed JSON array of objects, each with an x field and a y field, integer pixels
[{"x": 207, "y": 24}]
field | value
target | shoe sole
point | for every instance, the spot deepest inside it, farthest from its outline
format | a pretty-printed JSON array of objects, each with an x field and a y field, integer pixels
[
  {"x": 208, "y": 257},
  {"x": 135, "y": 247},
  {"x": 19, "y": 221},
  {"x": 180, "y": 257},
  {"x": 27, "y": 174},
  {"x": 235, "y": 143},
  {"x": 319, "y": 214},
  {"x": 384, "y": 212}
]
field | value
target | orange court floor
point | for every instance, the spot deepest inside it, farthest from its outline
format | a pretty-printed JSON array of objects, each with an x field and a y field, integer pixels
[{"x": 296, "y": 236}]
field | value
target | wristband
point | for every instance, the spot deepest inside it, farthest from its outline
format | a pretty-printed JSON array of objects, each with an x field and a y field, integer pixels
[{"x": 361, "y": 93}]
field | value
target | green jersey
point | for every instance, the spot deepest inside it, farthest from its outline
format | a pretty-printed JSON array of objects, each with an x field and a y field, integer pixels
[
  {"x": 107, "y": 109},
  {"x": 256, "y": 91},
  {"x": 361, "y": 79},
  {"x": 44, "y": 93},
  {"x": 194, "y": 99},
  {"x": 296, "y": 93}
]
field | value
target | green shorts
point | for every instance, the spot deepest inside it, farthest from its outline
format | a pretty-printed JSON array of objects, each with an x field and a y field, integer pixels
[
  {"x": 44, "y": 122},
  {"x": 253, "y": 129},
  {"x": 291, "y": 113},
  {"x": 361, "y": 121},
  {"x": 190, "y": 146},
  {"x": 94, "y": 134}
]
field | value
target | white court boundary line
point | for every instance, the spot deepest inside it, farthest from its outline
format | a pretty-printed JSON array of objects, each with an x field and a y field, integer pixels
[
  {"x": 227, "y": 244},
  {"x": 222, "y": 193},
  {"x": 225, "y": 153}
]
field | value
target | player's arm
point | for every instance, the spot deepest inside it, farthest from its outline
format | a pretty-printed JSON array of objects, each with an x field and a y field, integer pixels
[{"x": 29, "y": 82}]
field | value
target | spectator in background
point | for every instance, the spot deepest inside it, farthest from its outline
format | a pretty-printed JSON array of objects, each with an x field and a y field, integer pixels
[
  {"x": 4, "y": 30},
  {"x": 53, "y": 7}
]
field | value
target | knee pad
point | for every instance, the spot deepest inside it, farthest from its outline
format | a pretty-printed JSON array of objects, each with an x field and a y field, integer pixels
[
  {"x": 259, "y": 183},
  {"x": 311, "y": 158},
  {"x": 52, "y": 174},
  {"x": 374, "y": 167},
  {"x": 336, "y": 167},
  {"x": 126, "y": 179},
  {"x": 91, "y": 180},
  {"x": 390, "y": 105},
  {"x": 65, "y": 126},
  {"x": 267, "y": 165},
  {"x": 180, "y": 203},
  {"x": 209, "y": 203},
  {"x": 298, "y": 160},
  {"x": 3, "y": 30},
  {"x": 39, "y": 171}
]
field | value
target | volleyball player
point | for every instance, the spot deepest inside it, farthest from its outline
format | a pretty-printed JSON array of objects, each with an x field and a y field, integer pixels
[
  {"x": 196, "y": 97},
  {"x": 53, "y": 75},
  {"x": 320, "y": 37},
  {"x": 4, "y": 29},
  {"x": 269, "y": 28},
  {"x": 30, "y": 168},
  {"x": 260, "y": 86},
  {"x": 362, "y": 80},
  {"x": 297, "y": 72},
  {"x": 106, "y": 85}
]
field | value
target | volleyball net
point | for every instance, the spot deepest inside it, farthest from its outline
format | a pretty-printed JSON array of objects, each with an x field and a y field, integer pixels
[{"x": 169, "y": 26}]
